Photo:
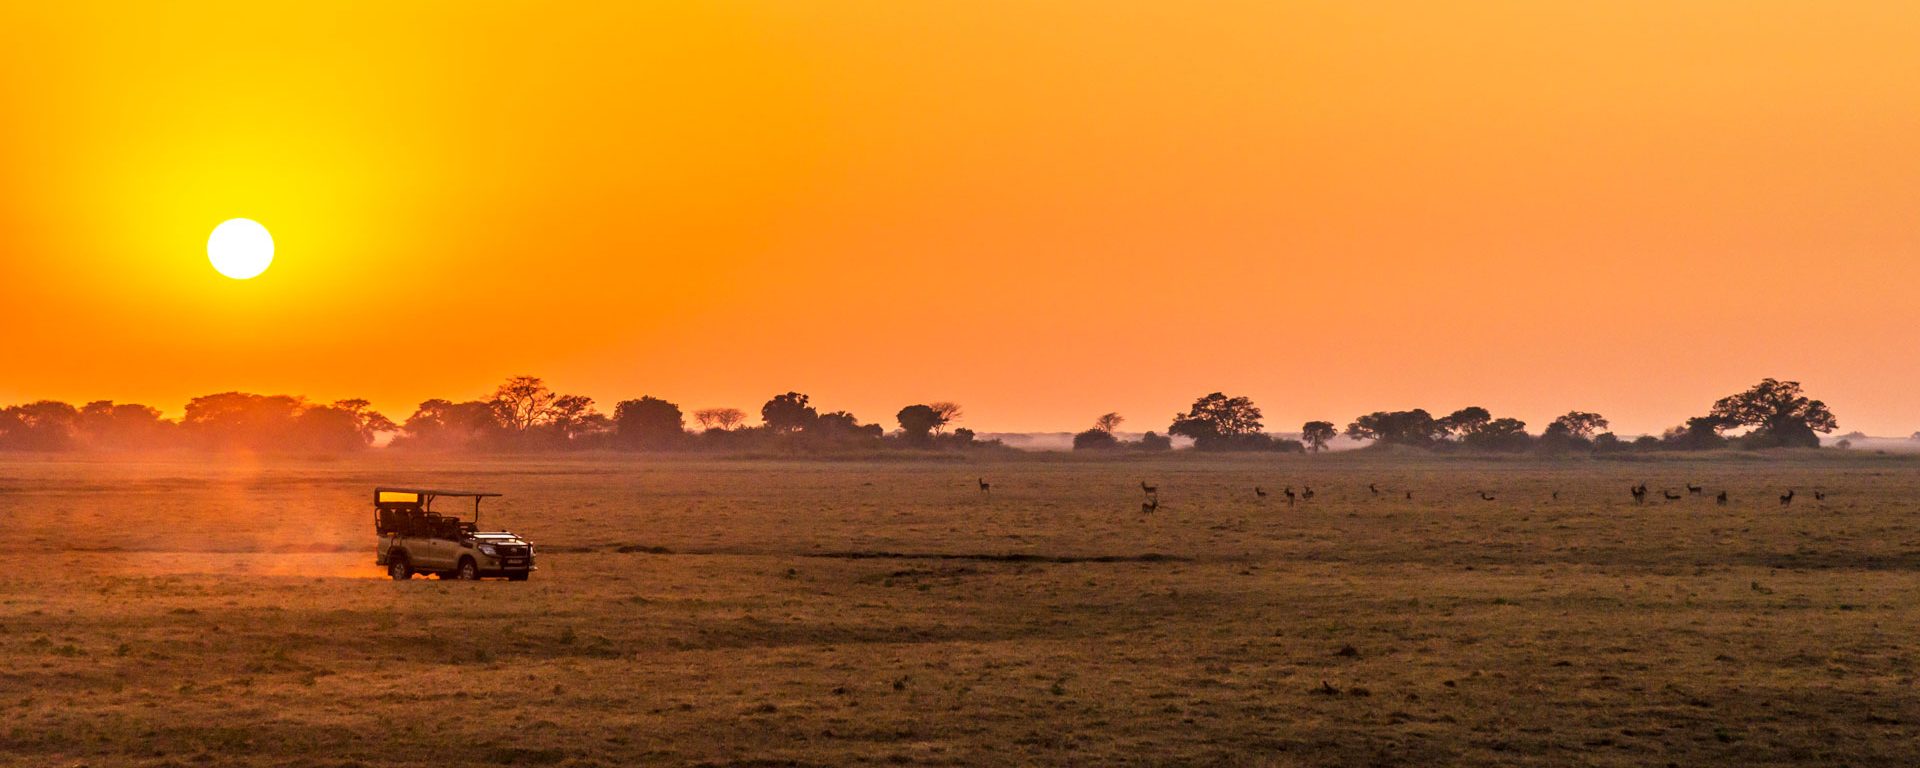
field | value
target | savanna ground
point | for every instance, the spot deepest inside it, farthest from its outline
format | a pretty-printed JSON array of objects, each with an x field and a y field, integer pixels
[{"x": 228, "y": 612}]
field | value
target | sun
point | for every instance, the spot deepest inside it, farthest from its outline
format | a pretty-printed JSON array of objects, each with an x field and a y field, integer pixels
[{"x": 240, "y": 248}]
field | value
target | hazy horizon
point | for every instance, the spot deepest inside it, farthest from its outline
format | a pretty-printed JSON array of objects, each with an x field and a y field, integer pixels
[{"x": 884, "y": 414}]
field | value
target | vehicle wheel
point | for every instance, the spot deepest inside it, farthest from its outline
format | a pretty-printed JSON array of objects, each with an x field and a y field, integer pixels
[
  {"x": 468, "y": 571},
  {"x": 399, "y": 568},
  {"x": 519, "y": 576}
]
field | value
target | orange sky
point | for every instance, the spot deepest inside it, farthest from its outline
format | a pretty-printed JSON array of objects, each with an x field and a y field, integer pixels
[{"x": 1043, "y": 211}]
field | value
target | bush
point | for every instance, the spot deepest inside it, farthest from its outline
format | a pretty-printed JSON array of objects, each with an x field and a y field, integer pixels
[{"x": 1095, "y": 440}]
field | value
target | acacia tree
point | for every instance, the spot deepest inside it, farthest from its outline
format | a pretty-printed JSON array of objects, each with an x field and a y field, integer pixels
[
  {"x": 368, "y": 422},
  {"x": 1218, "y": 421},
  {"x": 723, "y": 419},
  {"x": 788, "y": 413},
  {"x": 1503, "y": 434},
  {"x": 574, "y": 418},
  {"x": 917, "y": 423},
  {"x": 1700, "y": 433},
  {"x": 1100, "y": 437},
  {"x": 648, "y": 422},
  {"x": 106, "y": 424},
  {"x": 1316, "y": 434},
  {"x": 1580, "y": 424},
  {"x": 1415, "y": 427},
  {"x": 1778, "y": 413},
  {"x": 523, "y": 402},
  {"x": 948, "y": 413},
  {"x": 1466, "y": 422},
  {"x": 47, "y": 425},
  {"x": 444, "y": 424}
]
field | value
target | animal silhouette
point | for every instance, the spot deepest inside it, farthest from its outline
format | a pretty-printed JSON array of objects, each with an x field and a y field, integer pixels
[
  {"x": 1289, "y": 493},
  {"x": 1484, "y": 496},
  {"x": 1819, "y": 495},
  {"x": 1639, "y": 493},
  {"x": 1721, "y": 499},
  {"x": 1150, "y": 505},
  {"x": 1694, "y": 489},
  {"x": 1786, "y": 498},
  {"x": 1151, "y": 490},
  {"x": 1409, "y": 495},
  {"x": 1260, "y": 492},
  {"x": 1373, "y": 489},
  {"x": 1306, "y": 493},
  {"x": 1671, "y": 496},
  {"x": 985, "y": 487},
  {"x": 1556, "y": 495}
]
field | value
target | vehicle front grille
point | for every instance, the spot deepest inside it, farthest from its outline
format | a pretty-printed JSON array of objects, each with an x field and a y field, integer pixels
[{"x": 512, "y": 550}]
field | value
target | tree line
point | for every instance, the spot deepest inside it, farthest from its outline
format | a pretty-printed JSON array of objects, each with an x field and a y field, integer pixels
[
  {"x": 1770, "y": 414},
  {"x": 523, "y": 414}
]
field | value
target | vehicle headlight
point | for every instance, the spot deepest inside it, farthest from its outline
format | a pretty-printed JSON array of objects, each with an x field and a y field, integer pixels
[{"x": 488, "y": 550}]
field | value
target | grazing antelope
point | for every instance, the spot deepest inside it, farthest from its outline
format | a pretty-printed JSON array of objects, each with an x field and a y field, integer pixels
[
  {"x": 1819, "y": 495},
  {"x": 1671, "y": 496},
  {"x": 1694, "y": 489},
  {"x": 1150, "y": 490},
  {"x": 1639, "y": 493},
  {"x": 1149, "y": 505},
  {"x": 1786, "y": 498},
  {"x": 985, "y": 487},
  {"x": 1289, "y": 492},
  {"x": 1721, "y": 499},
  {"x": 1260, "y": 492},
  {"x": 1484, "y": 496},
  {"x": 1306, "y": 493}
]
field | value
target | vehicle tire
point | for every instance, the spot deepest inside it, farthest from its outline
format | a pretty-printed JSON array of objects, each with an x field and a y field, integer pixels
[
  {"x": 399, "y": 568},
  {"x": 518, "y": 576},
  {"x": 468, "y": 570}
]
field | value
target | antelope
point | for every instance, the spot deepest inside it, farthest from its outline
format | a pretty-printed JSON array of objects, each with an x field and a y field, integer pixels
[
  {"x": 1721, "y": 499},
  {"x": 1694, "y": 489},
  {"x": 1484, "y": 496},
  {"x": 1149, "y": 505},
  {"x": 1306, "y": 493},
  {"x": 1409, "y": 495},
  {"x": 1151, "y": 490},
  {"x": 1671, "y": 496},
  {"x": 1819, "y": 495},
  {"x": 1556, "y": 495},
  {"x": 985, "y": 487},
  {"x": 1260, "y": 492},
  {"x": 1374, "y": 489},
  {"x": 1289, "y": 492},
  {"x": 1786, "y": 498},
  {"x": 1639, "y": 493}
]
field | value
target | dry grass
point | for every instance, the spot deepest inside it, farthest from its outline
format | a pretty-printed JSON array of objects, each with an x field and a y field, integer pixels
[{"x": 789, "y": 613}]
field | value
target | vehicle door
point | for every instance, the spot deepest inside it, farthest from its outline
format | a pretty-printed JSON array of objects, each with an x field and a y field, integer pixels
[{"x": 440, "y": 549}]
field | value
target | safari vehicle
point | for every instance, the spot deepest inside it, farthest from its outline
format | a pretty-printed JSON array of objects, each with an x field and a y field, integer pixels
[{"x": 416, "y": 539}]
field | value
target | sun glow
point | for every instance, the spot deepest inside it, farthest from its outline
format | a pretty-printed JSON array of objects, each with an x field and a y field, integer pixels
[{"x": 240, "y": 248}]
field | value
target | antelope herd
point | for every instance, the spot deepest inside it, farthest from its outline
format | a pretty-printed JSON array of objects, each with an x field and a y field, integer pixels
[{"x": 1637, "y": 492}]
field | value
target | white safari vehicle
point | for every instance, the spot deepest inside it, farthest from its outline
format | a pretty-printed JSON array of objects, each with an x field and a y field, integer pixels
[{"x": 416, "y": 539}]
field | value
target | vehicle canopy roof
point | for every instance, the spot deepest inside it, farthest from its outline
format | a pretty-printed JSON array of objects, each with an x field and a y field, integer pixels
[{"x": 388, "y": 496}]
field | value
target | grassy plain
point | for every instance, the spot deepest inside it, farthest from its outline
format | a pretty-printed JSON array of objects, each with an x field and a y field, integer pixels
[{"x": 716, "y": 612}]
